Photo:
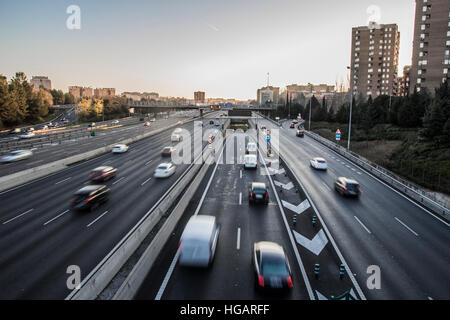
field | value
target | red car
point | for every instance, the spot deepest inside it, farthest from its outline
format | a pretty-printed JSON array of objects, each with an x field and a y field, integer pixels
[
  {"x": 103, "y": 173},
  {"x": 292, "y": 126},
  {"x": 167, "y": 151},
  {"x": 300, "y": 133}
]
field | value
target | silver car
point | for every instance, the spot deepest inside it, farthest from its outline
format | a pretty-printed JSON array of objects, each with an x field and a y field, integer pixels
[{"x": 17, "y": 156}]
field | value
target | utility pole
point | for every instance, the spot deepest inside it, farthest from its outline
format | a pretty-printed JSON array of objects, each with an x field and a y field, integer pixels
[
  {"x": 310, "y": 102},
  {"x": 350, "y": 117}
]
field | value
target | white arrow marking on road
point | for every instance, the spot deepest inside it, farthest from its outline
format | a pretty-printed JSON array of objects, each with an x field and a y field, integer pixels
[
  {"x": 287, "y": 186},
  {"x": 315, "y": 245},
  {"x": 280, "y": 171},
  {"x": 297, "y": 209},
  {"x": 321, "y": 296}
]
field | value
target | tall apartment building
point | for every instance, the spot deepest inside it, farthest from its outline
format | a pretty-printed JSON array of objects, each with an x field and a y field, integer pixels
[
  {"x": 405, "y": 81},
  {"x": 374, "y": 61},
  {"x": 268, "y": 94},
  {"x": 431, "y": 46},
  {"x": 101, "y": 93},
  {"x": 38, "y": 81},
  {"x": 80, "y": 92},
  {"x": 199, "y": 97}
]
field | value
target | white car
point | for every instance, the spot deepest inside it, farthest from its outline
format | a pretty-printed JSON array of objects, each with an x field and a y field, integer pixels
[
  {"x": 251, "y": 148},
  {"x": 120, "y": 148},
  {"x": 319, "y": 163},
  {"x": 250, "y": 161},
  {"x": 164, "y": 170},
  {"x": 152, "y": 120},
  {"x": 115, "y": 122},
  {"x": 176, "y": 135},
  {"x": 27, "y": 135},
  {"x": 17, "y": 156}
]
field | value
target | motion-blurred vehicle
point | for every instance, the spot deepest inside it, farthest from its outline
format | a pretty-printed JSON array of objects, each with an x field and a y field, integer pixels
[
  {"x": 347, "y": 187},
  {"x": 251, "y": 148},
  {"x": 318, "y": 163},
  {"x": 167, "y": 151},
  {"x": 120, "y": 148},
  {"x": 301, "y": 133},
  {"x": 14, "y": 131},
  {"x": 211, "y": 122},
  {"x": 250, "y": 161},
  {"x": 258, "y": 192},
  {"x": 27, "y": 135},
  {"x": 199, "y": 241},
  {"x": 30, "y": 129},
  {"x": 180, "y": 122},
  {"x": 147, "y": 124},
  {"x": 176, "y": 135},
  {"x": 152, "y": 120},
  {"x": 294, "y": 121},
  {"x": 103, "y": 173},
  {"x": 164, "y": 170},
  {"x": 272, "y": 269},
  {"x": 292, "y": 126},
  {"x": 91, "y": 125},
  {"x": 44, "y": 127},
  {"x": 115, "y": 122},
  {"x": 16, "y": 156},
  {"x": 90, "y": 197}
]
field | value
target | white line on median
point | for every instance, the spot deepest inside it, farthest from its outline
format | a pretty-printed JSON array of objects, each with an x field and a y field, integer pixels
[
  {"x": 146, "y": 181},
  {"x": 238, "y": 246},
  {"x": 18, "y": 216},
  {"x": 240, "y": 175},
  {"x": 240, "y": 198},
  {"x": 362, "y": 225},
  {"x": 59, "y": 215},
  {"x": 326, "y": 186},
  {"x": 117, "y": 181},
  {"x": 90, "y": 224},
  {"x": 406, "y": 226},
  {"x": 148, "y": 162},
  {"x": 63, "y": 180}
]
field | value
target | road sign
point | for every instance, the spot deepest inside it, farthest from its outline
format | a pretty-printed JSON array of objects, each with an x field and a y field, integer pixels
[
  {"x": 268, "y": 138},
  {"x": 338, "y": 134}
]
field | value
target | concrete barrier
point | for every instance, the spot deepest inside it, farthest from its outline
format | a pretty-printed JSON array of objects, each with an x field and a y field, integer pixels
[
  {"x": 25, "y": 176},
  {"x": 132, "y": 283}
]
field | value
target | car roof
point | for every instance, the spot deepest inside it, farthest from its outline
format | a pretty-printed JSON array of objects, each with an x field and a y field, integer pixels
[
  {"x": 164, "y": 164},
  {"x": 267, "y": 247},
  {"x": 349, "y": 180},
  {"x": 319, "y": 159},
  {"x": 250, "y": 156},
  {"x": 103, "y": 168},
  {"x": 120, "y": 145},
  {"x": 199, "y": 227},
  {"x": 258, "y": 185},
  {"x": 90, "y": 188}
]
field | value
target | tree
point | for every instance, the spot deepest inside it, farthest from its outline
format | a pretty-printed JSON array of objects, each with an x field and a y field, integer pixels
[
  {"x": 69, "y": 98},
  {"x": 433, "y": 122},
  {"x": 58, "y": 96}
]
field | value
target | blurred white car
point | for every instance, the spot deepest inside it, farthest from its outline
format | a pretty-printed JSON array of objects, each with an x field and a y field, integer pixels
[
  {"x": 120, "y": 148},
  {"x": 115, "y": 122},
  {"x": 250, "y": 161},
  {"x": 16, "y": 156},
  {"x": 152, "y": 120},
  {"x": 164, "y": 170},
  {"x": 251, "y": 148},
  {"x": 319, "y": 163},
  {"x": 176, "y": 135},
  {"x": 27, "y": 135}
]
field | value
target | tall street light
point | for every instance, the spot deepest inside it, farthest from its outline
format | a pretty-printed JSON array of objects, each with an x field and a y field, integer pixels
[
  {"x": 351, "y": 105},
  {"x": 310, "y": 102}
]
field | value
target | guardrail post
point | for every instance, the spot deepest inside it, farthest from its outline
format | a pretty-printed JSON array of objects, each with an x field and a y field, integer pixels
[
  {"x": 341, "y": 271},
  {"x": 294, "y": 219},
  {"x": 316, "y": 270},
  {"x": 314, "y": 221}
]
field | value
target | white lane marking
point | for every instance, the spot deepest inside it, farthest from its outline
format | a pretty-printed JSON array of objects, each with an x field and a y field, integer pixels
[
  {"x": 146, "y": 181},
  {"x": 238, "y": 246},
  {"x": 326, "y": 186},
  {"x": 148, "y": 162},
  {"x": 287, "y": 186},
  {"x": 28, "y": 211},
  {"x": 90, "y": 224},
  {"x": 353, "y": 169},
  {"x": 430, "y": 298},
  {"x": 240, "y": 198},
  {"x": 34, "y": 162},
  {"x": 297, "y": 209},
  {"x": 63, "y": 180},
  {"x": 406, "y": 226},
  {"x": 362, "y": 225},
  {"x": 315, "y": 245},
  {"x": 359, "y": 173},
  {"x": 59, "y": 215},
  {"x": 240, "y": 175},
  {"x": 117, "y": 181}
]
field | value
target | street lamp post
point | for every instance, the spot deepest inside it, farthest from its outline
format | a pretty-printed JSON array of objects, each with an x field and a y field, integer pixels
[
  {"x": 310, "y": 102},
  {"x": 350, "y": 117}
]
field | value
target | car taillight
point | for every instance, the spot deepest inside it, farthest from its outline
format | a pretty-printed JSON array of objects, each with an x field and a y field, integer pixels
[
  {"x": 73, "y": 199},
  {"x": 345, "y": 188},
  {"x": 289, "y": 282},
  {"x": 89, "y": 199},
  {"x": 245, "y": 163},
  {"x": 179, "y": 246},
  {"x": 267, "y": 195},
  {"x": 251, "y": 194},
  {"x": 261, "y": 280}
]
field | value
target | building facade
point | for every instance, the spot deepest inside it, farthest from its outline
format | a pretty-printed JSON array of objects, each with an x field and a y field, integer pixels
[
  {"x": 268, "y": 94},
  {"x": 374, "y": 60},
  {"x": 80, "y": 92},
  {"x": 38, "y": 81},
  {"x": 431, "y": 45},
  {"x": 405, "y": 81},
  {"x": 199, "y": 97},
  {"x": 101, "y": 93}
]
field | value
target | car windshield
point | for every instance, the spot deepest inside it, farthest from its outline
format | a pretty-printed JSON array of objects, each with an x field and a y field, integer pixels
[
  {"x": 164, "y": 167},
  {"x": 14, "y": 153},
  {"x": 352, "y": 186},
  {"x": 321, "y": 161},
  {"x": 166, "y": 149},
  {"x": 273, "y": 266}
]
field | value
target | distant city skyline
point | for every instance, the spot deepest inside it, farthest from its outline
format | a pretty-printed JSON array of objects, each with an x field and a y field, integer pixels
[{"x": 175, "y": 48}]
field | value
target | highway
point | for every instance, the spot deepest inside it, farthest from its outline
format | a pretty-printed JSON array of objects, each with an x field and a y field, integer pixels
[
  {"x": 383, "y": 228},
  {"x": 40, "y": 237}
]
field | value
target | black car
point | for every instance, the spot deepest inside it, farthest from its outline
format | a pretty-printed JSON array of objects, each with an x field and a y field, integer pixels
[
  {"x": 272, "y": 270},
  {"x": 167, "y": 151},
  {"x": 301, "y": 133},
  {"x": 347, "y": 187},
  {"x": 211, "y": 122},
  {"x": 90, "y": 197},
  {"x": 258, "y": 192}
]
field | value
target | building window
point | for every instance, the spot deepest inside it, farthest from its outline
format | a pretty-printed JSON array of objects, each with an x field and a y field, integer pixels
[{"x": 445, "y": 71}]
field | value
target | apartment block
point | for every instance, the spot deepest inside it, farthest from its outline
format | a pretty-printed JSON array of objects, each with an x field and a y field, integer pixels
[
  {"x": 38, "y": 81},
  {"x": 431, "y": 45},
  {"x": 268, "y": 94},
  {"x": 101, "y": 93},
  {"x": 80, "y": 92},
  {"x": 199, "y": 97},
  {"x": 374, "y": 60}
]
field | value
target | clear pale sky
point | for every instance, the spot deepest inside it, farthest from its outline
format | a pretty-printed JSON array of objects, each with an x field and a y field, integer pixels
[{"x": 175, "y": 47}]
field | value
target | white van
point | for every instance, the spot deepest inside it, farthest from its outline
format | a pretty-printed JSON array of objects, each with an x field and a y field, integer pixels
[
  {"x": 198, "y": 241},
  {"x": 176, "y": 135},
  {"x": 251, "y": 148}
]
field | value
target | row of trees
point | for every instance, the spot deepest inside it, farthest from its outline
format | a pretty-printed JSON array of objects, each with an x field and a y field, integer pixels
[
  {"x": 99, "y": 109},
  {"x": 419, "y": 110}
]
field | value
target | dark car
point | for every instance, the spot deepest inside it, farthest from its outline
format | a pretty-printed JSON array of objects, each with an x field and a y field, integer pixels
[
  {"x": 272, "y": 270},
  {"x": 167, "y": 151},
  {"x": 258, "y": 192},
  {"x": 301, "y": 133},
  {"x": 103, "y": 173},
  {"x": 211, "y": 122},
  {"x": 347, "y": 187},
  {"x": 90, "y": 197},
  {"x": 292, "y": 126}
]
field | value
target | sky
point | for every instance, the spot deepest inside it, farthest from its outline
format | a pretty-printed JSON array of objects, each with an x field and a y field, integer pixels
[{"x": 176, "y": 47}]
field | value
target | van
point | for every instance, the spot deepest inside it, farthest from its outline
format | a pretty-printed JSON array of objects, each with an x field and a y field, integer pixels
[
  {"x": 251, "y": 148},
  {"x": 199, "y": 241}
]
